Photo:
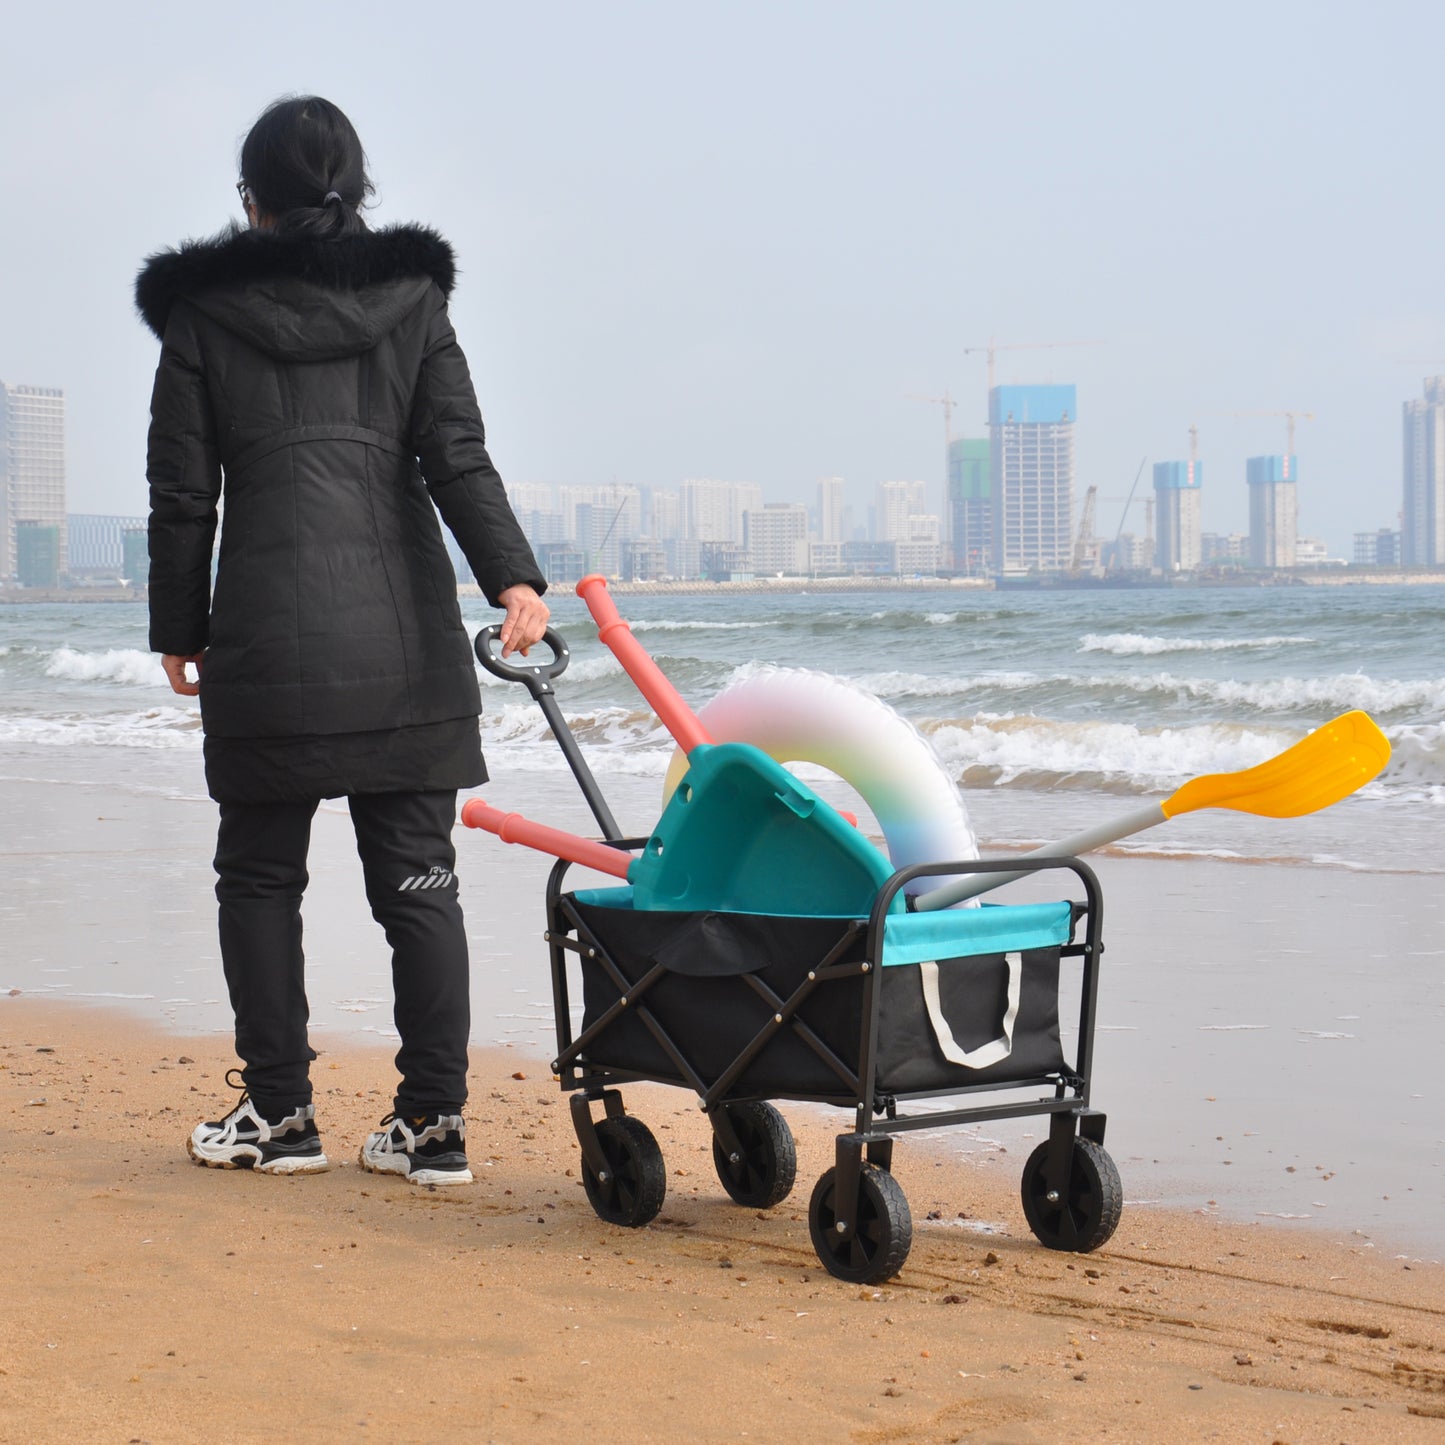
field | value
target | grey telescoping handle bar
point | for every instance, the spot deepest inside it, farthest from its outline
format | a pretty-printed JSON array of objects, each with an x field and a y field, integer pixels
[
  {"x": 1148, "y": 816},
  {"x": 538, "y": 678}
]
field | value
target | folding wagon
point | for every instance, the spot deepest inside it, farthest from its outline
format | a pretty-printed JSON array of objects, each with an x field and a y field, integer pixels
[
  {"x": 878, "y": 1015},
  {"x": 762, "y": 949}
]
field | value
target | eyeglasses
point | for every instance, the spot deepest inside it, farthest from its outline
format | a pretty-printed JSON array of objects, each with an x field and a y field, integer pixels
[{"x": 244, "y": 191}]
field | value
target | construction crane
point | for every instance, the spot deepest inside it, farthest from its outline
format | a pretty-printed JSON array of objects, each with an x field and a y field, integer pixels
[
  {"x": 992, "y": 348},
  {"x": 1084, "y": 539},
  {"x": 1124, "y": 515},
  {"x": 947, "y": 403},
  {"x": 1290, "y": 418}
]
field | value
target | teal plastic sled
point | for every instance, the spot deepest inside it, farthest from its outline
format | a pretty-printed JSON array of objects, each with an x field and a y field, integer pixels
[{"x": 741, "y": 834}]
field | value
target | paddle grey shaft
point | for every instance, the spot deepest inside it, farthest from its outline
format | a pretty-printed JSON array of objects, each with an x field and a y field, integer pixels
[{"x": 1085, "y": 842}]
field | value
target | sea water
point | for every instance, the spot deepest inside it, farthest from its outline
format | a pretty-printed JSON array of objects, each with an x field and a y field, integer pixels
[
  {"x": 1261, "y": 1028},
  {"x": 1049, "y": 709}
]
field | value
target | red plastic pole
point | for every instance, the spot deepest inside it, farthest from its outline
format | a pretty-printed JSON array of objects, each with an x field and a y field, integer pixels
[
  {"x": 679, "y": 719},
  {"x": 514, "y": 828}
]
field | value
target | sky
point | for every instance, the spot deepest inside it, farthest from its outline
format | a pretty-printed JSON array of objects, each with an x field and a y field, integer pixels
[{"x": 740, "y": 240}]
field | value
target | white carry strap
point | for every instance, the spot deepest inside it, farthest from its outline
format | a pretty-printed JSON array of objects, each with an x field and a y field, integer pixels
[{"x": 984, "y": 1054}]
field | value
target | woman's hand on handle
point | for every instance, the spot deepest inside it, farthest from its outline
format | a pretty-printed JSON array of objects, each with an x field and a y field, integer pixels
[
  {"x": 526, "y": 619},
  {"x": 176, "y": 672}
]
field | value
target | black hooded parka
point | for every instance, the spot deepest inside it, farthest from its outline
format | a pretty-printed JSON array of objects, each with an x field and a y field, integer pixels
[{"x": 323, "y": 380}]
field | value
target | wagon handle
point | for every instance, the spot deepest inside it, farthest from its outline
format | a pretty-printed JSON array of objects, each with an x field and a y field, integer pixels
[{"x": 535, "y": 677}]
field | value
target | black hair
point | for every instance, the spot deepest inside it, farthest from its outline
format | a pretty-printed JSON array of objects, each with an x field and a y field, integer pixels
[{"x": 301, "y": 151}]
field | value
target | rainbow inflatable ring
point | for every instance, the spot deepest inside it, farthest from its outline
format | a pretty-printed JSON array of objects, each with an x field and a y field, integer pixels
[{"x": 796, "y": 715}]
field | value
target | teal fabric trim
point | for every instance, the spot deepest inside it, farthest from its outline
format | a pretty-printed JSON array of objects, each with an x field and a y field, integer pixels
[
  {"x": 958, "y": 932},
  {"x": 924, "y": 937},
  {"x": 605, "y": 897}
]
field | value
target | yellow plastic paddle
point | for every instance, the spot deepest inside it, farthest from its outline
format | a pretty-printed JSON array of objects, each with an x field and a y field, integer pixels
[{"x": 1332, "y": 762}]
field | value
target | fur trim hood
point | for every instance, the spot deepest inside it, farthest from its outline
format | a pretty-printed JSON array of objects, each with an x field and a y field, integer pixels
[{"x": 238, "y": 260}]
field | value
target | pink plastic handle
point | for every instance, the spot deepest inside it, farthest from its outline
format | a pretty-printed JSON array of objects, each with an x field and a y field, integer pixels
[
  {"x": 679, "y": 719},
  {"x": 514, "y": 828}
]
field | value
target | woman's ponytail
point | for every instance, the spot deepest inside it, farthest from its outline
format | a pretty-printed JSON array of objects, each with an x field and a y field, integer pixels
[{"x": 304, "y": 166}]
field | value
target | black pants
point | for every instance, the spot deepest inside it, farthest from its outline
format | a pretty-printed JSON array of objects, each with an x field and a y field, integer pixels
[{"x": 404, "y": 840}]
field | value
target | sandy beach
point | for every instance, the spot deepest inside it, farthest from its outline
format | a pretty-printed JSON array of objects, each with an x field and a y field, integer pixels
[
  {"x": 151, "y": 1300},
  {"x": 1275, "y": 1276}
]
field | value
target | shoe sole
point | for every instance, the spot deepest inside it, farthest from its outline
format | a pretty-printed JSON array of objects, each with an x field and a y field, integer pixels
[
  {"x": 243, "y": 1156},
  {"x": 400, "y": 1165}
]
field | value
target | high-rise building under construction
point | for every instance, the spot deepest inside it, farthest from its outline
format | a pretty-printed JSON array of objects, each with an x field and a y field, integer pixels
[
  {"x": 1177, "y": 488},
  {"x": 1031, "y": 451},
  {"x": 1422, "y": 513},
  {"x": 969, "y": 505},
  {"x": 1273, "y": 510}
]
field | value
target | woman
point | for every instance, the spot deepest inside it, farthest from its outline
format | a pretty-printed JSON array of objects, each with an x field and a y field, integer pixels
[{"x": 310, "y": 361}]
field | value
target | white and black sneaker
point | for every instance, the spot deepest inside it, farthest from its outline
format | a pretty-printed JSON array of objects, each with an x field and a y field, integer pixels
[
  {"x": 247, "y": 1139},
  {"x": 423, "y": 1149}
]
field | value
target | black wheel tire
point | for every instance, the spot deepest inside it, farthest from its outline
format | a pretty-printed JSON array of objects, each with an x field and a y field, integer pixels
[
  {"x": 879, "y": 1245},
  {"x": 768, "y": 1167},
  {"x": 1089, "y": 1214},
  {"x": 633, "y": 1192}
]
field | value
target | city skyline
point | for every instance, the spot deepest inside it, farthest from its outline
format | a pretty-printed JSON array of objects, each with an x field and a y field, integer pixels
[
  {"x": 712, "y": 527},
  {"x": 1424, "y": 414},
  {"x": 658, "y": 281}
]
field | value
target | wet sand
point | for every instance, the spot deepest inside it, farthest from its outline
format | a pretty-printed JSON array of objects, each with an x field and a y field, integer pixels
[{"x": 151, "y": 1300}]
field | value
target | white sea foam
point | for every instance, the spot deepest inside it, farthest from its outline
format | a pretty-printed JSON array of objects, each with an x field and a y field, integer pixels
[
  {"x": 1312, "y": 696},
  {"x": 616, "y": 740},
  {"x": 892, "y": 685},
  {"x": 1133, "y": 644},
  {"x": 1295, "y": 694},
  {"x": 991, "y": 749},
  {"x": 1015, "y": 747},
  {"x": 165, "y": 727},
  {"x": 123, "y": 665},
  {"x": 1417, "y": 763}
]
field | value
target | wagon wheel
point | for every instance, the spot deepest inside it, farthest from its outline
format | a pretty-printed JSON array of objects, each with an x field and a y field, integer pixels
[
  {"x": 762, "y": 1174},
  {"x": 1088, "y": 1213},
  {"x": 636, "y": 1181},
  {"x": 884, "y": 1233}
]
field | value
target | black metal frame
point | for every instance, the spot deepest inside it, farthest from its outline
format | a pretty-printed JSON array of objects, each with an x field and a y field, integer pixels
[
  {"x": 1067, "y": 1106},
  {"x": 1067, "y": 1103}
]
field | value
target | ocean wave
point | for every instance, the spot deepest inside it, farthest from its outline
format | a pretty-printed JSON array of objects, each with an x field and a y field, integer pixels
[
  {"x": 1309, "y": 695},
  {"x": 835, "y": 622},
  {"x": 166, "y": 727},
  {"x": 1034, "y": 752},
  {"x": 612, "y": 739},
  {"x": 579, "y": 669},
  {"x": 696, "y": 625},
  {"x": 891, "y": 685},
  {"x": 123, "y": 665},
  {"x": 1298, "y": 694},
  {"x": 1133, "y": 644},
  {"x": 1417, "y": 765},
  {"x": 1004, "y": 751}
]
